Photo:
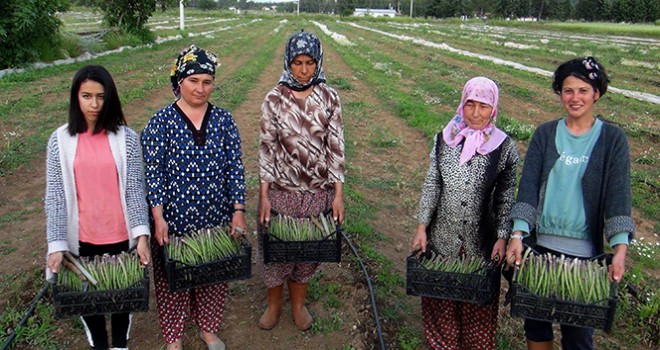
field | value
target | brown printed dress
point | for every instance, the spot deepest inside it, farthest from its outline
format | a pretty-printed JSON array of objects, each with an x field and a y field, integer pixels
[{"x": 301, "y": 156}]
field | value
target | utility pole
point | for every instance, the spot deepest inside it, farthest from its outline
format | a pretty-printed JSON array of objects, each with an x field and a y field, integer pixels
[
  {"x": 181, "y": 17},
  {"x": 411, "y": 8}
]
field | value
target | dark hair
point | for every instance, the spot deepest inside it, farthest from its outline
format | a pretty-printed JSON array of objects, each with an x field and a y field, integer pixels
[
  {"x": 110, "y": 116},
  {"x": 585, "y": 69}
]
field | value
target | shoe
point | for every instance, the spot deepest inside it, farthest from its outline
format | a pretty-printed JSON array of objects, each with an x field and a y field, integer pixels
[{"x": 217, "y": 345}]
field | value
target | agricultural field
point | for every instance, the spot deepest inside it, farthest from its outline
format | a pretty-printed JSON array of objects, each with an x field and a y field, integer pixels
[{"x": 399, "y": 82}]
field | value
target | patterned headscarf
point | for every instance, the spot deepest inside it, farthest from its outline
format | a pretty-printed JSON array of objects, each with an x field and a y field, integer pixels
[
  {"x": 484, "y": 141},
  {"x": 192, "y": 60},
  {"x": 302, "y": 43}
]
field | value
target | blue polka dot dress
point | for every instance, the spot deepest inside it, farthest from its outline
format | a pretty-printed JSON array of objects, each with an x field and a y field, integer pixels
[{"x": 196, "y": 175}]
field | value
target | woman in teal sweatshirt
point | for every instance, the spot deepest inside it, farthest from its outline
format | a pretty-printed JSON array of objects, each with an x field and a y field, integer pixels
[{"x": 575, "y": 189}]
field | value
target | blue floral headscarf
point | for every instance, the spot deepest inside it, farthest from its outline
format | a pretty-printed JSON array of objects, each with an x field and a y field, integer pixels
[
  {"x": 192, "y": 60},
  {"x": 302, "y": 43}
]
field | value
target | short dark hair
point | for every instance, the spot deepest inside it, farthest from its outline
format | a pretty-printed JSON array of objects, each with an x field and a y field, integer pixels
[
  {"x": 585, "y": 69},
  {"x": 110, "y": 116}
]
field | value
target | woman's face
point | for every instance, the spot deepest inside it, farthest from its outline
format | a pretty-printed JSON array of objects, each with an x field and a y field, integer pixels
[
  {"x": 476, "y": 114},
  {"x": 90, "y": 98},
  {"x": 196, "y": 89},
  {"x": 578, "y": 97},
  {"x": 303, "y": 68}
]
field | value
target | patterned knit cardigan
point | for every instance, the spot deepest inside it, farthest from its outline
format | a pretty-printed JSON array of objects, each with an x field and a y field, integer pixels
[{"x": 61, "y": 202}]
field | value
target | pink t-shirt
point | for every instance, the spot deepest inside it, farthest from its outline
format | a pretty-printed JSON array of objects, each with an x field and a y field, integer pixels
[{"x": 100, "y": 214}]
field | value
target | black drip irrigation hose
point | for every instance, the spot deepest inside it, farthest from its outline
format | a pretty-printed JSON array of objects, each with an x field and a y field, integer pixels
[
  {"x": 25, "y": 317},
  {"x": 371, "y": 291}
]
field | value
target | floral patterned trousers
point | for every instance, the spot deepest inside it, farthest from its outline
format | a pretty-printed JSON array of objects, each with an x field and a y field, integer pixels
[
  {"x": 459, "y": 326},
  {"x": 204, "y": 305}
]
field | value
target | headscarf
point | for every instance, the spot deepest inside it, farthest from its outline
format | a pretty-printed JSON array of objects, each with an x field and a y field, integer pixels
[
  {"x": 192, "y": 60},
  {"x": 302, "y": 43},
  {"x": 484, "y": 141}
]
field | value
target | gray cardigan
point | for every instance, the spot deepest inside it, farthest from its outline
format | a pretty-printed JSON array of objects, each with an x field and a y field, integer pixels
[{"x": 605, "y": 185}]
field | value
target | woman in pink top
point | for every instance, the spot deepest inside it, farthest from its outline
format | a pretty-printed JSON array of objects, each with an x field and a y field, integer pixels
[{"x": 95, "y": 198}]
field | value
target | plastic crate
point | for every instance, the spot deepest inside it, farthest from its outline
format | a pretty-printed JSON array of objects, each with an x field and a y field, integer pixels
[
  {"x": 476, "y": 288},
  {"x": 526, "y": 304},
  {"x": 68, "y": 303},
  {"x": 326, "y": 250},
  {"x": 182, "y": 276}
]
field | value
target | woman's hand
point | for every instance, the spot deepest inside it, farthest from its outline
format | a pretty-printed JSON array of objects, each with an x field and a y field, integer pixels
[
  {"x": 238, "y": 223},
  {"x": 161, "y": 231},
  {"x": 419, "y": 241},
  {"x": 497, "y": 254},
  {"x": 160, "y": 225},
  {"x": 143, "y": 249},
  {"x": 514, "y": 250},
  {"x": 264, "y": 210},
  {"x": 338, "y": 209},
  {"x": 338, "y": 203},
  {"x": 55, "y": 262},
  {"x": 264, "y": 203},
  {"x": 618, "y": 266}
]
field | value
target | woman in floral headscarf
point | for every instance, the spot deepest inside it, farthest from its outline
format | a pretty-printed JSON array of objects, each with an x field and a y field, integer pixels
[
  {"x": 195, "y": 180},
  {"x": 301, "y": 165},
  {"x": 574, "y": 192},
  {"x": 468, "y": 192}
]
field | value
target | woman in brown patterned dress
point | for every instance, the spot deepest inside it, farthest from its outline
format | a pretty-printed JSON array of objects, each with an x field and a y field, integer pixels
[{"x": 301, "y": 165}]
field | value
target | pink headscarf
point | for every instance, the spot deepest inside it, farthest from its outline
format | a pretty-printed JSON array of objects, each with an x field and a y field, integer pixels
[{"x": 483, "y": 141}]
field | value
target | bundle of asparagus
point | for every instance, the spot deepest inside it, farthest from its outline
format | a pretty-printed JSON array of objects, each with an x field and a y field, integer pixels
[
  {"x": 203, "y": 246},
  {"x": 465, "y": 265},
  {"x": 105, "y": 272},
  {"x": 575, "y": 280},
  {"x": 287, "y": 228}
]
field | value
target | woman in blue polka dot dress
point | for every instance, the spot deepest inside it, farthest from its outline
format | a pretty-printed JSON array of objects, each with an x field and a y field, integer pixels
[{"x": 195, "y": 180}]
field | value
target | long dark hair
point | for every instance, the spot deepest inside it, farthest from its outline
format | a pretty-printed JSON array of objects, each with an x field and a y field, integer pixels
[{"x": 110, "y": 116}]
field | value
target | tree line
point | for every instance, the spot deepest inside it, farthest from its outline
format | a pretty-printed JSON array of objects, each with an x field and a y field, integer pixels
[{"x": 630, "y": 11}]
